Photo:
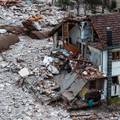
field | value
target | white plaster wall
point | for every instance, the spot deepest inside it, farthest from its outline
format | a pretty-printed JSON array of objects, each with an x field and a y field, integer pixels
[
  {"x": 116, "y": 68},
  {"x": 104, "y": 93},
  {"x": 115, "y": 65},
  {"x": 95, "y": 56},
  {"x": 75, "y": 34},
  {"x": 104, "y": 65},
  {"x": 55, "y": 40}
]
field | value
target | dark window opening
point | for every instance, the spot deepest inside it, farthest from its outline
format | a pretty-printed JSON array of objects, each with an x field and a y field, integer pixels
[
  {"x": 95, "y": 36},
  {"x": 92, "y": 85},
  {"x": 70, "y": 40},
  {"x": 115, "y": 80},
  {"x": 116, "y": 55}
]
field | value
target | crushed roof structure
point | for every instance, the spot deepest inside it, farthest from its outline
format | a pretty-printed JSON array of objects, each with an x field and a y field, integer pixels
[
  {"x": 74, "y": 86},
  {"x": 66, "y": 19},
  {"x": 100, "y": 24}
]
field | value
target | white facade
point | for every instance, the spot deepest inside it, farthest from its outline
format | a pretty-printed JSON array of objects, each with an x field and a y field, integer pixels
[
  {"x": 99, "y": 58},
  {"x": 75, "y": 34},
  {"x": 115, "y": 90},
  {"x": 115, "y": 65}
]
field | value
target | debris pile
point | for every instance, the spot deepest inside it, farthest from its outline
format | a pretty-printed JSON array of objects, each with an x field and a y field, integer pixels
[
  {"x": 92, "y": 115},
  {"x": 24, "y": 65},
  {"x": 77, "y": 73},
  {"x": 49, "y": 74},
  {"x": 20, "y": 60},
  {"x": 40, "y": 25},
  {"x": 9, "y": 2},
  {"x": 15, "y": 15},
  {"x": 87, "y": 71}
]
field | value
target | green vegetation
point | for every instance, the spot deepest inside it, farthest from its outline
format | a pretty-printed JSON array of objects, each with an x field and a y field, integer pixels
[
  {"x": 63, "y": 3},
  {"x": 88, "y": 5},
  {"x": 114, "y": 100}
]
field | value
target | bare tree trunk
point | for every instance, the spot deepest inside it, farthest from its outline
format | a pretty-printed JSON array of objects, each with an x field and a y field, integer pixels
[
  {"x": 78, "y": 10},
  {"x": 85, "y": 9},
  {"x": 103, "y": 6}
]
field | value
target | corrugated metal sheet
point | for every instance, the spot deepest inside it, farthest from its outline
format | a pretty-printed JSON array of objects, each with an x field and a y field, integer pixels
[{"x": 71, "y": 86}]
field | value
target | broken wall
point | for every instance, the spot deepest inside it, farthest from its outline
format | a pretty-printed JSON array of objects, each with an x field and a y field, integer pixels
[
  {"x": 95, "y": 56},
  {"x": 75, "y": 34}
]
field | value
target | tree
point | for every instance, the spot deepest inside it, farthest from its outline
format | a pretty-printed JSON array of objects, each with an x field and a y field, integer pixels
[
  {"x": 78, "y": 2},
  {"x": 64, "y": 3},
  {"x": 93, "y": 4}
]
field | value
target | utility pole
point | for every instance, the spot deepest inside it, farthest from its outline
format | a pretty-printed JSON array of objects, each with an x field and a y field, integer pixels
[{"x": 109, "y": 64}]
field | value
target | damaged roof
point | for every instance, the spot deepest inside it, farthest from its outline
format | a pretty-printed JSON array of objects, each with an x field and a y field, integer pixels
[
  {"x": 65, "y": 20},
  {"x": 100, "y": 23}
]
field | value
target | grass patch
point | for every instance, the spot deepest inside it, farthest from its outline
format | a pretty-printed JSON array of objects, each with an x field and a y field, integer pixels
[{"x": 115, "y": 100}]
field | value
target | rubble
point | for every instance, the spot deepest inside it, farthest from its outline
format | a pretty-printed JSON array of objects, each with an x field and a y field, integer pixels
[
  {"x": 38, "y": 75},
  {"x": 15, "y": 103},
  {"x": 29, "y": 54},
  {"x": 39, "y": 34},
  {"x": 39, "y": 26},
  {"x": 15, "y": 15},
  {"x": 24, "y": 72},
  {"x": 17, "y": 30},
  {"x": 47, "y": 60},
  {"x": 53, "y": 69},
  {"x": 9, "y": 2},
  {"x": 2, "y": 31}
]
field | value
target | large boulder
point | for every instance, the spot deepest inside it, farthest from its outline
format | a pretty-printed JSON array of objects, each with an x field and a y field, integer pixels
[{"x": 6, "y": 40}]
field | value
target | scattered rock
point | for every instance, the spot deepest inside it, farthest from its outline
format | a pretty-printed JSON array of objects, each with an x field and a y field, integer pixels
[
  {"x": 24, "y": 72},
  {"x": 3, "y": 31},
  {"x": 53, "y": 69}
]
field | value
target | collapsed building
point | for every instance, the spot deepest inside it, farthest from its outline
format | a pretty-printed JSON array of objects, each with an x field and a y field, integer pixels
[
  {"x": 69, "y": 71},
  {"x": 80, "y": 48},
  {"x": 96, "y": 40}
]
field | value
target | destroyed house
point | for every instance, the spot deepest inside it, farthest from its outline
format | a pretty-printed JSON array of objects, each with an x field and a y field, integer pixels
[
  {"x": 82, "y": 79},
  {"x": 97, "y": 38},
  {"x": 62, "y": 31}
]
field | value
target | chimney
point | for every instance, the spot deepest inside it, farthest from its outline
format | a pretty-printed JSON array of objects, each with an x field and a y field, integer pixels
[{"x": 109, "y": 36}]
